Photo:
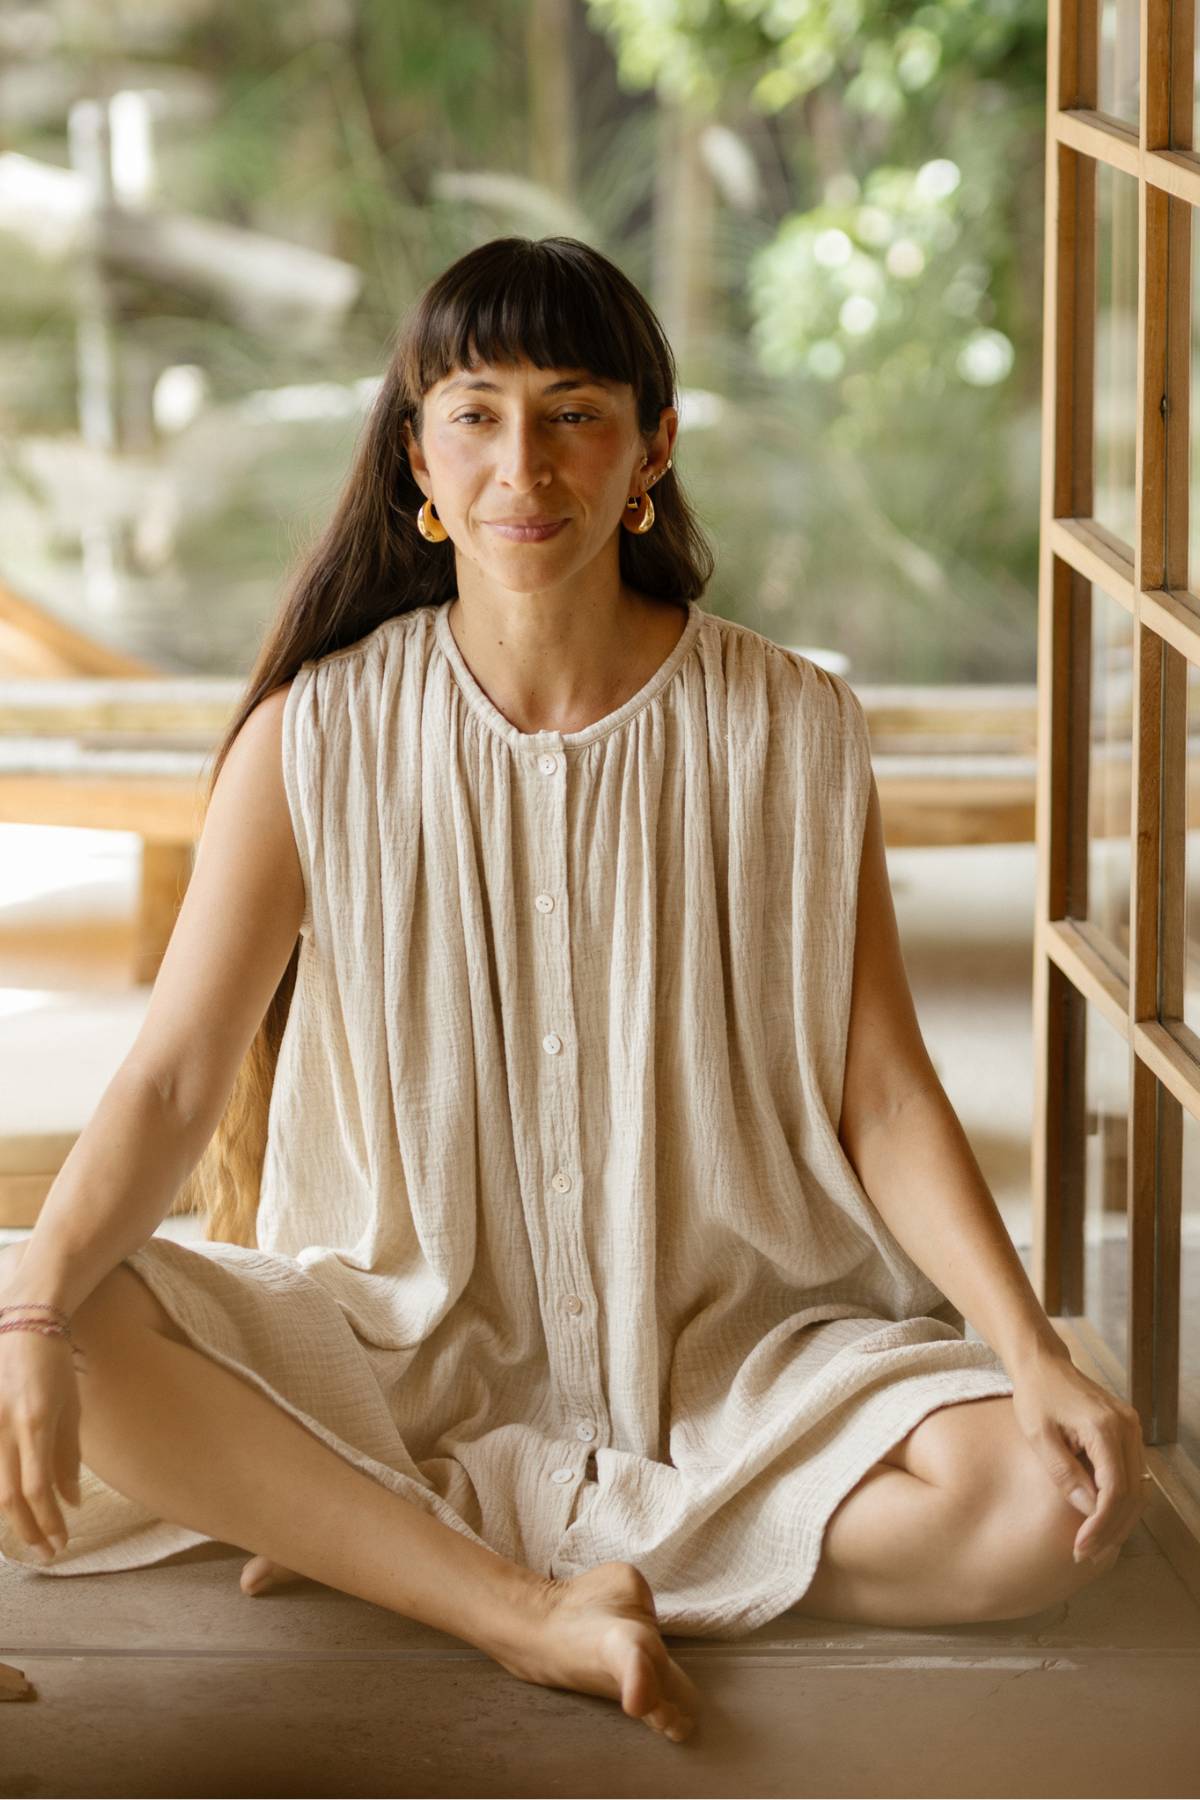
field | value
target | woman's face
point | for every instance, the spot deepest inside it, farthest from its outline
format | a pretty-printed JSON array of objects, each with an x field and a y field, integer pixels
[{"x": 503, "y": 444}]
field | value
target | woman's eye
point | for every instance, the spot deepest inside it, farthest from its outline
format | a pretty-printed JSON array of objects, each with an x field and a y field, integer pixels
[{"x": 465, "y": 418}]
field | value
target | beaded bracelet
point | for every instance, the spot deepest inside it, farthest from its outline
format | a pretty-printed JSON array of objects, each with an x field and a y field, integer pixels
[
  {"x": 47, "y": 1327},
  {"x": 36, "y": 1305}
]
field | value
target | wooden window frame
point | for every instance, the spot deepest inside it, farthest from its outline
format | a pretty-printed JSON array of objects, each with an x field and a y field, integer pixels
[{"x": 1149, "y": 579}]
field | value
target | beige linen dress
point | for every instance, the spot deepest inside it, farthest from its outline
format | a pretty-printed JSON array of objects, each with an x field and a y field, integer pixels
[{"x": 556, "y": 1236}]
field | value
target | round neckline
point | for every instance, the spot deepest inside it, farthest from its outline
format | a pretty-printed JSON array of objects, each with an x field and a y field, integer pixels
[{"x": 491, "y": 715}]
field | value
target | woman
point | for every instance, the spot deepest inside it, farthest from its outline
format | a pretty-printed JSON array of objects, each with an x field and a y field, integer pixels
[{"x": 536, "y": 1036}]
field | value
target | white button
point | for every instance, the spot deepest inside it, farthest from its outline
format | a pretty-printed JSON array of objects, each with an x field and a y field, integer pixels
[
  {"x": 547, "y": 763},
  {"x": 586, "y": 1432},
  {"x": 574, "y": 1304},
  {"x": 561, "y": 1182},
  {"x": 552, "y": 1042},
  {"x": 562, "y": 1474},
  {"x": 544, "y": 902}
]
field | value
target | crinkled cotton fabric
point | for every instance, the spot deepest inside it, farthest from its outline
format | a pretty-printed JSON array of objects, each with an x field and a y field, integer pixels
[{"x": 556, "y": 1237}]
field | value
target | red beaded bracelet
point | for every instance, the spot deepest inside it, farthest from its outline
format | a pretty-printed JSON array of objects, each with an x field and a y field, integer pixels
[{"x": 35, "y": 1306}]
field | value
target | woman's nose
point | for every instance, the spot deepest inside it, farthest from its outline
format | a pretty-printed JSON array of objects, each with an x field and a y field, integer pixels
[{"x": 524, "y": 456}]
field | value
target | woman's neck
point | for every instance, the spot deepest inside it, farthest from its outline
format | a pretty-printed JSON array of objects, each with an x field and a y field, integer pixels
[{"x": 566, "y": 675}]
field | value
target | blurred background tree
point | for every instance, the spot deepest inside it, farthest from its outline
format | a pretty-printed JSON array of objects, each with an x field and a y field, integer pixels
[{"x": 835, "y": 206}]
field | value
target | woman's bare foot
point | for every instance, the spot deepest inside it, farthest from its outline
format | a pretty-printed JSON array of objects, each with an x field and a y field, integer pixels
[
  {"x": 599, "y": 1635},
  {"x": 262, "y": 1576}
]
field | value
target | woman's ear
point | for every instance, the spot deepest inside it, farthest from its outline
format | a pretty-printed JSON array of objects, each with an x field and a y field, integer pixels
[{"x": 416, "y": 461}]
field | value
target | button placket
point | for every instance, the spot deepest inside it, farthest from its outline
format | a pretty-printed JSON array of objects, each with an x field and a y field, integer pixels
[{"x": 570, "y": 1325}]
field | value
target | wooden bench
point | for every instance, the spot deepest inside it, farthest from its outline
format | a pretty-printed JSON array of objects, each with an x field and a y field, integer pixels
[{"x": 118, "y": 755}]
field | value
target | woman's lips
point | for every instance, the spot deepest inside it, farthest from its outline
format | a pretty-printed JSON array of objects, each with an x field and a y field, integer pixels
[{"x": 528, "y": 534}]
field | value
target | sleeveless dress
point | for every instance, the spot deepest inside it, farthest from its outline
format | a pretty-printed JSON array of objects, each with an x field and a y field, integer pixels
[{"x": 556, "y": 1236}]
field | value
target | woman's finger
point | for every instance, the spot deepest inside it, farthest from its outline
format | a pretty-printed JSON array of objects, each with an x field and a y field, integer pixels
[
  {"x": 13, "y": 1503},
  {"x": 37, "y": 1483},
  {"x": 1106, "y": 1452}
]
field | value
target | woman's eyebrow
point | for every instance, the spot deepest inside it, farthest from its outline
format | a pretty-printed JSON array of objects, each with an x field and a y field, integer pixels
[{"x": 481, "y": 384}]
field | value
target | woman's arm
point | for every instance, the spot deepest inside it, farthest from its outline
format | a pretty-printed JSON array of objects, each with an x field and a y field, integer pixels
[
  {"x": 231, "y": 943},
  {"x": 909, "y": 1149}
]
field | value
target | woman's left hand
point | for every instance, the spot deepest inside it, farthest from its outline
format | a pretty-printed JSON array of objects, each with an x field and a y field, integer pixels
[{"x": 1064, "y": 1414}]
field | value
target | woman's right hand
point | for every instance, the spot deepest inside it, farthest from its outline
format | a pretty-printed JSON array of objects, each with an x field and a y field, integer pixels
[{"x": 39, "y": 1436}]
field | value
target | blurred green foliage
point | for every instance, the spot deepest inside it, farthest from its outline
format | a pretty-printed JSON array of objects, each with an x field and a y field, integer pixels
[{"x": 896, "y": 302}]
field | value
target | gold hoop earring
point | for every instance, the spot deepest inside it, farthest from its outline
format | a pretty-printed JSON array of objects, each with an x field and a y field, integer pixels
[
  {"x": 429, "y": 525},
  {"x": 645, "y": 518}
]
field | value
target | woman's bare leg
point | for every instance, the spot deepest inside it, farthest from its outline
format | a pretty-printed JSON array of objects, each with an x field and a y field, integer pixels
[
  {"x": 152, "y": 1411},
  {"x": 899, "y": 1550}
]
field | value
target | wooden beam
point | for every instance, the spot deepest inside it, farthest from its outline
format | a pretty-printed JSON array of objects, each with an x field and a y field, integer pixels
[{"x": 34, "y": 642}]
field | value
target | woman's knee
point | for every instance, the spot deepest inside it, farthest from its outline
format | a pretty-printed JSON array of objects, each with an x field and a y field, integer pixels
[
  {"x": 1027, "y": 1553},
  {"x": 1022, "y": 1527}
]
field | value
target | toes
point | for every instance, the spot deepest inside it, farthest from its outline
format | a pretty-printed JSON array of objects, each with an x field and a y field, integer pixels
[
  {"x": 260, "y": 1575},
  {"x": 661, "y": 1717},
  {"x": 669, "y": 1720},
  {"x": 651, "y": 1685},
  {"x": 254, "y": 1575},
  {"x": 645, "y": 1698}
]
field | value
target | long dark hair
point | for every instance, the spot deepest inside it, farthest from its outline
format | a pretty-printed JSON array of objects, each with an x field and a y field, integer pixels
[{"x": 554, "y": 302}]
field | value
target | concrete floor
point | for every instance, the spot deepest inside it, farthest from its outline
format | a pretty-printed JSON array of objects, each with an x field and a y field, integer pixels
[{"x": 170, "y": 1681}]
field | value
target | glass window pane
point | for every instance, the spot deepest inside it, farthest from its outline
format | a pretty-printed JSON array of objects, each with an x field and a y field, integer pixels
[
  {"x": 1116, "y": 350},
  {"x": 1119, "y": 95},
  {"x": 1191, "y": 942},
  {"x": 1194, "y": 422},
  {"x": 1105, "y": 1226},
  {"x": 1110, "y": 763},
  {"x": 1189, "y": 1308}
]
